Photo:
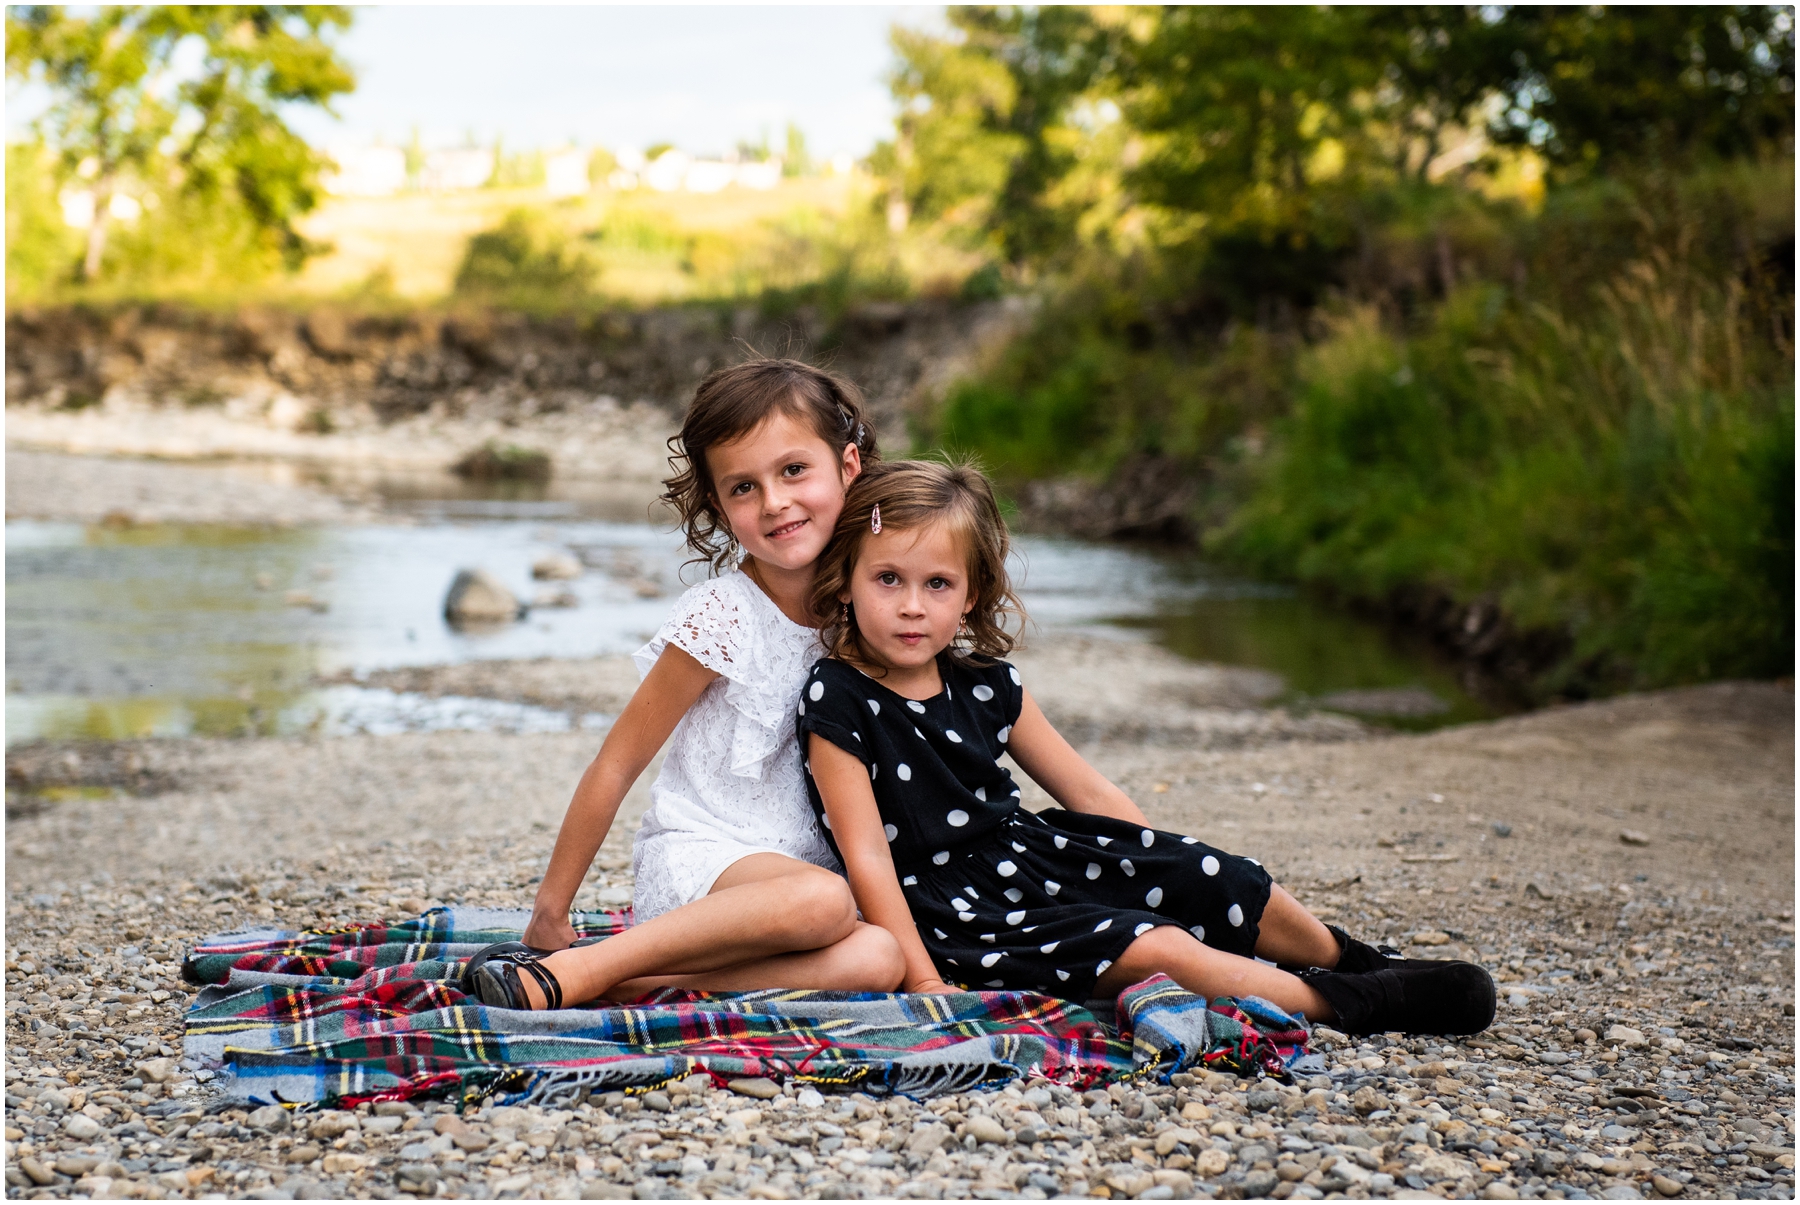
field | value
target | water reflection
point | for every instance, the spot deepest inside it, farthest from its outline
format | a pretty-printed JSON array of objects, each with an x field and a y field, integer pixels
[
  {"x": 193, "y": 629},
  {"x": 171, "y": 630}
]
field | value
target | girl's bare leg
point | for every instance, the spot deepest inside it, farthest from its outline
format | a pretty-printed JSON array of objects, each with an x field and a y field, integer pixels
[
  {"x": 869, "y": 960},
  {"x": 764, "y": 907},
  {"x": 1208, "y": 972},
  {"x": 1290, "y": 934}
]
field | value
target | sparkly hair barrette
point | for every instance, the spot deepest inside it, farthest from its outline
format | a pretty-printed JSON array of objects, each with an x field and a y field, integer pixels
[{"x": 875, "y": 520}]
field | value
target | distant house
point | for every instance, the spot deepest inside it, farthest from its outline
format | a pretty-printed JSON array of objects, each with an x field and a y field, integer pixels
[
  {"x": 566, "y": 173},
  {"x": 760, "y": 176},
  {"x": 365, "y": 171},
  {"x": 452, "y": 170},
  {"x": 678, "y": 171},
  {"x": 667, "y": 172}
]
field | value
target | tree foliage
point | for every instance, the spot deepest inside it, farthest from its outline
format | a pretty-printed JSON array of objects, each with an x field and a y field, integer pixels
[
  {"x": 976, "y": 141},
  {"x": 1596, "y": 86},
  {"x": 183, "y": 103},
  {"x": 1043, "y": 130},
  {"x": 1452, "y": 304}
]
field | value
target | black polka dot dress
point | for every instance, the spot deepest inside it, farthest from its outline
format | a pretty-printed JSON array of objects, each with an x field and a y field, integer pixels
[{"x": 1004, "y": 897}]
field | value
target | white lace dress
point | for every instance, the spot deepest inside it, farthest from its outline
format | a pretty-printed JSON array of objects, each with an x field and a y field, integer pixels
[{"x": 732, "y": 784}]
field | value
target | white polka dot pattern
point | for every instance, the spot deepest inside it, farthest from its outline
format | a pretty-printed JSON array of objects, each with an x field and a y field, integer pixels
[{"x": 1030, "y": 890}]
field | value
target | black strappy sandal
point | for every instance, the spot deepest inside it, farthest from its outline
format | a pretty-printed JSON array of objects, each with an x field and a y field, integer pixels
[{"x": 492, "y": 976}]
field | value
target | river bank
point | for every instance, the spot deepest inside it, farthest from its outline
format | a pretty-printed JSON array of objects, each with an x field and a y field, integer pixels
[{"x": 599, "y": 393}]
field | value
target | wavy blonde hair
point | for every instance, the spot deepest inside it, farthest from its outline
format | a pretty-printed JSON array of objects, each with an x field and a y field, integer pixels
[{"x": 914, "y": 494}]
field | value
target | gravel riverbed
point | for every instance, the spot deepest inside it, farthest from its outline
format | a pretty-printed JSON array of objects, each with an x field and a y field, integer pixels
[{"x": 1625, "y": 868}]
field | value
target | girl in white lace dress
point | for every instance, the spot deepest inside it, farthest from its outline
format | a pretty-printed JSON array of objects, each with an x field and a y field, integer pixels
[{"x": 735, "y": 887}]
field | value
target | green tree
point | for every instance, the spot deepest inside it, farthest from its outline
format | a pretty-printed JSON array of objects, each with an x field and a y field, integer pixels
[
  {"x": 122, "y": 116},
  {"x": 980, "y": 110},
  {"x": 1604, "y": 85}
]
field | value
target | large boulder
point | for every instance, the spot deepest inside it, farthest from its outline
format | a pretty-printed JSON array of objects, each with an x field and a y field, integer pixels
[{"x": 477, "y": 596}]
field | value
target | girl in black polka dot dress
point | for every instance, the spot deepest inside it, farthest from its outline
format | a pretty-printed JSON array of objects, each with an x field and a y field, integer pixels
[{"x": 905, "y": 728}]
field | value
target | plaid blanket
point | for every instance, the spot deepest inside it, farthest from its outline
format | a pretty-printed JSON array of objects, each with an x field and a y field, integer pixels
[{"x": 373, "y": 1012}]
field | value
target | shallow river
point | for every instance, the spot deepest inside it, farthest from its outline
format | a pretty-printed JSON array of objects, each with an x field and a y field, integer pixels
[{"x": 170, "y": 630}]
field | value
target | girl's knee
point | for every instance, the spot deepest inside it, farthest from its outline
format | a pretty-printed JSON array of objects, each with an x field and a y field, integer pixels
[
  {"x": 1161, "y": 948},
  {"x": 881, "y": 964},
  {"x": 822, "y": 906}
]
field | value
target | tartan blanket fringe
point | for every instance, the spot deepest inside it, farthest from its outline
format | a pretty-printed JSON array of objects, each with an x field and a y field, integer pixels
[{"x": 373, "y": 1012}]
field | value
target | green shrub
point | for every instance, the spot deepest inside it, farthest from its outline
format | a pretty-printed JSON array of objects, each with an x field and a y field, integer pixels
[
  {"x": 1585, "y": 414},
  {"x": 526, "y": 260},
  {"x": 1623, "y": 475}
]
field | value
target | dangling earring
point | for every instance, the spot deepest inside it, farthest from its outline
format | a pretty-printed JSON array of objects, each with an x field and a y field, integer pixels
[
  {"x": 843, "y": 615},
  {"x": 875, "y": 520}
]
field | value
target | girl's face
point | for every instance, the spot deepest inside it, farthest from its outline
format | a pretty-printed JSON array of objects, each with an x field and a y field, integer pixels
[
  {"x": 780, "y": 488},
  {"x": 910, "y": 591}
]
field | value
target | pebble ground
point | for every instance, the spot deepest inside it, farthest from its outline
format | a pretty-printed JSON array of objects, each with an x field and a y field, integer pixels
[{"x": 1624, "y": 868}]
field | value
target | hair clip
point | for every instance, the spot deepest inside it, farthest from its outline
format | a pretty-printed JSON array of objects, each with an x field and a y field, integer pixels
[{"x": 875, "y": 520}]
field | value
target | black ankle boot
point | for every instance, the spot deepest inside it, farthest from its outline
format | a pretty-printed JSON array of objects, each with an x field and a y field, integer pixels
[
  {"x": 1354, "y": 957},
  {"x": 1413, "y": 996},
  {"x": 1358, "y": 957}
]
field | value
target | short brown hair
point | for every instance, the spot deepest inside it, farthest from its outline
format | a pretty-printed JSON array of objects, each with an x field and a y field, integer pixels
[
  {"x": 730, "y": 403},
  {"x": 914, "y": 494}
]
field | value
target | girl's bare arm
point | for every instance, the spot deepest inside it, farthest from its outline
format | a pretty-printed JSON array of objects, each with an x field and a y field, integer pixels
[
  {"x": 1042, "y": 753},
  {"x": 672, "y": 686},
  {"x": 856, "y": 824}
]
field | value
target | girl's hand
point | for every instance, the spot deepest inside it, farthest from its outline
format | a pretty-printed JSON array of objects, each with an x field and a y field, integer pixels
[
  {"x": 549, "y": 932},
  {"x": 931, "y": 987}
]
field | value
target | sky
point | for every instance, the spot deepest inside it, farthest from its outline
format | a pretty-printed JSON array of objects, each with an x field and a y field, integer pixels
[{"x": 703, "y": 78}]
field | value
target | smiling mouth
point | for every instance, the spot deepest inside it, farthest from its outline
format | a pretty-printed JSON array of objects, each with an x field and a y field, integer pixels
[{"x": 787, "y": 529}]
